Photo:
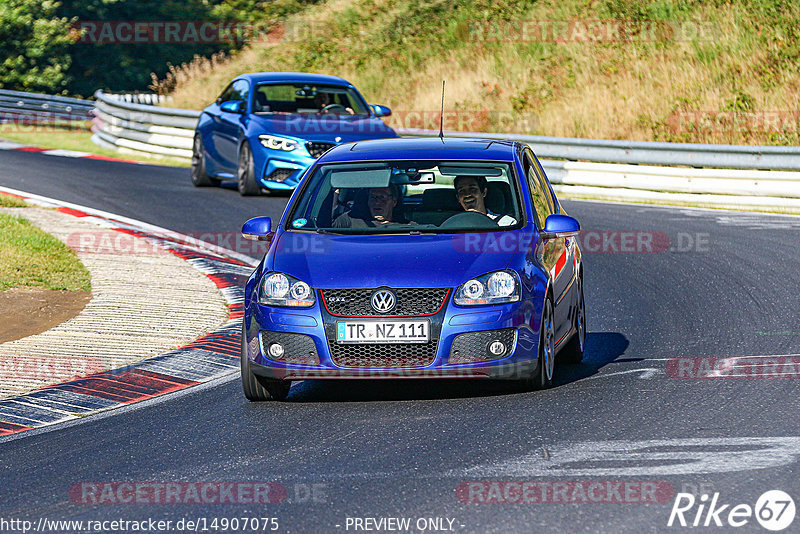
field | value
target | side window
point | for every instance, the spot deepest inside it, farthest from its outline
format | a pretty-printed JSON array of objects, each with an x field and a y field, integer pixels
[
  {"x": 226, "y": 95},
  {"x": 540, "y": 206},
  {"x": 551, "y": 196},
  {"x": 241, "y": 89}
]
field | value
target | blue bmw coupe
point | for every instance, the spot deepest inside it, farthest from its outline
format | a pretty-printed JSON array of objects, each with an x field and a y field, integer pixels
[
  {"x": 266, "y": 129},
  {"x": 415, "y": 258}
]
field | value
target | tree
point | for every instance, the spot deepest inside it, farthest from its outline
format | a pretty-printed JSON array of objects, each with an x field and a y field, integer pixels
[
  {"x": 126, "y": 66},
  {"x": 34, "y": 46}
]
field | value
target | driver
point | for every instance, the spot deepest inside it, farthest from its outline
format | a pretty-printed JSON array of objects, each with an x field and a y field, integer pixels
[
  {"x": 471, "y": 194},
  {"x": 381, "y": 202},
  {"x": 324, "y": 99}
]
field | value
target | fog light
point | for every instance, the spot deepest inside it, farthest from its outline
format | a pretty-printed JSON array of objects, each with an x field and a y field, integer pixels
[
  {"x": 497, "y": 347},
  {"x": 276, "y": 350}
]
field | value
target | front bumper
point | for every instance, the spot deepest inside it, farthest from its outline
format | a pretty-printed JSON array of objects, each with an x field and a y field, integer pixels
[{"x": 317, "y": 328}]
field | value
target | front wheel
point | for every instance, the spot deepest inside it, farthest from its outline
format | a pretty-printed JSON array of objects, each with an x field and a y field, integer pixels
[
  {"x": 200, "y": 177},
  {"x": 258, "y": 388},
  {"x": 246, "y": 174},
  {"x": 543, "y": 376}
]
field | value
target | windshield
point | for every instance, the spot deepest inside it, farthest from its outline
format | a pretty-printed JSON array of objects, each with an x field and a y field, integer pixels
[
  {"x": 308, "y": 99},
  {"x": 408, "y": 196}
]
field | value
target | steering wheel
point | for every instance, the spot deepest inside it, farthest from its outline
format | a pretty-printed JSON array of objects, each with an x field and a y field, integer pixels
[
  {"x": 469, "y": 219},
  {"x": 330, "y": 107}
]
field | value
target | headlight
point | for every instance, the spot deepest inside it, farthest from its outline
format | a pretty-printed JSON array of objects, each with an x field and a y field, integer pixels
[
  {"x": 278, "y": 289},
  {"x": 500, "y": 287},
  {"x": 277, "y": 143}
]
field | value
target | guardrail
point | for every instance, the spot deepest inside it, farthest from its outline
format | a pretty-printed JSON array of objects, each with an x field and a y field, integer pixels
[
  {"x": 36, "y": 107},
  {"x": 645, "y": 152},
  {"x": 122, "y": 123}
]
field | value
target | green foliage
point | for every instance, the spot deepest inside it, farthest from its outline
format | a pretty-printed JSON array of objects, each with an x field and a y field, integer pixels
[
  {"x": 33, "y": 46},
  {"x": 127, "y": 66},
  {"x": 31, "y": 257}
]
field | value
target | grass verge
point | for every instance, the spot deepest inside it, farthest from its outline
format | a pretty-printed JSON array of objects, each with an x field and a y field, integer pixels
[
  {"x": 74, "y": 138},
  {"x": 31, "y": 257},
  {"x": 8, "y": 201}
]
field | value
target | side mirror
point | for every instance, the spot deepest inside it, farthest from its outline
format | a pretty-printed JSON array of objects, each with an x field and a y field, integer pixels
[
  {"x": 557, "y": 225},
  {"x": 234, "y": 106},
  {"x": 381, "y": 111},
  {"x": 257, "y": 229}
]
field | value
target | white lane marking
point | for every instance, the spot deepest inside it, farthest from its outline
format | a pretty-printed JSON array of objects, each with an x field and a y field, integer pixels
[
  {"x": 687, "y": 209},
  {"x": 646, "y": 457},
  {"x": 66, "y": 153},
  {"x": 647, "y": 373},
  {"x": 725, "y": 357},
  {"x": 9, "y": 145},
  {"x": 159, "y": 231}
]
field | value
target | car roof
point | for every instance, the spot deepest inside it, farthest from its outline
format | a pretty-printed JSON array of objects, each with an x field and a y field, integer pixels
[
  {"x": 292, "y": 77},
  {"x": 457, "y": 148}
]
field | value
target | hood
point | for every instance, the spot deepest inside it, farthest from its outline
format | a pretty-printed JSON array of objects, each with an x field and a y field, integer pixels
[
  {"x": 323, "y": 128},
  {"x": 368, "y": 261}
]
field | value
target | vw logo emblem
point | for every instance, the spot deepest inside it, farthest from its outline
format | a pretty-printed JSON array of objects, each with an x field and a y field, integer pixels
[{"x": 383, "y": 300}]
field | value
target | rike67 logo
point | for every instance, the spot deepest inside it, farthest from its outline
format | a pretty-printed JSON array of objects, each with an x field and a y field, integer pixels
[{"x": 774, "y": 510}]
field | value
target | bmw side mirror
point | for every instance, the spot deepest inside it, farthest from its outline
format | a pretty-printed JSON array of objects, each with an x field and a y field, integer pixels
[
  {"x": 257, "y": 229},
  {"x": 558, "y": 225},
  {"x": 233, "y": 106},
  {"x": 381, "y": 111}
]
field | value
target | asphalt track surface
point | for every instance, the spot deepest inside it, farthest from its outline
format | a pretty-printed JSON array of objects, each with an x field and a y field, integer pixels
[{"x": 401, "y": 449}]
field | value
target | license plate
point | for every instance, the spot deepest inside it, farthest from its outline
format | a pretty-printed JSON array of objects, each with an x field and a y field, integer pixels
[{"x": 383, "y": 331}]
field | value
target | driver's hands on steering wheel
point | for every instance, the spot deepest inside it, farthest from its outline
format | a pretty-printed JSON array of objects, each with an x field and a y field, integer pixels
[{"x": 331, "y": 107}]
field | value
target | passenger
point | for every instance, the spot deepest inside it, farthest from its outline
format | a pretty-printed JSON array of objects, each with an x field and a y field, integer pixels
[
  {"x": 471, "y": 194},
  {"x": 381, "y": 202}
]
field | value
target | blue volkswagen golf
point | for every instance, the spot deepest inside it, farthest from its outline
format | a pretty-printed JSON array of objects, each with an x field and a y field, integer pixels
[
  {"x": 266, "y": 129},
  {"x": 415, "y": 258}
]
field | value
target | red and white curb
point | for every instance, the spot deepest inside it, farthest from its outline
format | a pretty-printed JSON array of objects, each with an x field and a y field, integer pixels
[
  {"x": 10, "y": 145},
  {"x": 212, "y": 356}
]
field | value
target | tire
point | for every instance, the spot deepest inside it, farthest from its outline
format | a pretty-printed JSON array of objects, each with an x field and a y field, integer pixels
[
  {"x": 257, "y": 388},
  {"x": 543, "y": 376},
  {"x": 246, "y": 175},
  {"x": 200, "y": 177},
  {"x": 573, "y": 351}
]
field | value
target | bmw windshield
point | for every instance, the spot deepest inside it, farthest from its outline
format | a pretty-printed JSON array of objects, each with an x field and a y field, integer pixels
[
  {"x": 308, "y": 99},
  {"x": 408, "y": 196}
]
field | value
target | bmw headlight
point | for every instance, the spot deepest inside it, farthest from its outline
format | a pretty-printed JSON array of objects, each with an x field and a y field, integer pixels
[
  {"x": 277, "y": 143},
  {"x": 500, "y": 287},
  {"x": 278, "y": 289}
]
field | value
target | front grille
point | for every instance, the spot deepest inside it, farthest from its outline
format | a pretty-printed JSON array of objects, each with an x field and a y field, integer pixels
[
  {"x": 279, "y": 175},
  {"x": 297, "y": 348},
  {"x": 410, "y": 301},
  {"x": 383, "y": 355},
  {"x": 318, "y": 149},
  {"x": 474, "y": 346}
]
